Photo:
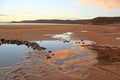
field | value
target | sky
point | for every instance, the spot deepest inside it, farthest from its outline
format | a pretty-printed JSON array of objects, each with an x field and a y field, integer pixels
[{"x": 18, "y": 10}]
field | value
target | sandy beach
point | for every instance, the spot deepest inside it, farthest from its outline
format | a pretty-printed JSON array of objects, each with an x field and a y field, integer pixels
[
  {"x": 37, "y": 67},
  {"x": 103, "y": 34}
]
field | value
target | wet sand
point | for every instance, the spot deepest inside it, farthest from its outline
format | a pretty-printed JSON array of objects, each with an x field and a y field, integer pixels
[
  {"x": 36, "y": 67},
  {"x": 103, "y": 34},
  {"x": 108, "y": 67}
]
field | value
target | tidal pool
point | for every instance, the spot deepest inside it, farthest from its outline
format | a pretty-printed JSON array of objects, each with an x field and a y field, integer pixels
[
  {"x": 10, "y": 54},
  {"x": 54, "y": 45},
  {"x": 74, "y": 61}
]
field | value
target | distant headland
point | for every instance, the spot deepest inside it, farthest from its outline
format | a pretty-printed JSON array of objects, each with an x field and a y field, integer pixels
[{"x": 95, "y": 21}]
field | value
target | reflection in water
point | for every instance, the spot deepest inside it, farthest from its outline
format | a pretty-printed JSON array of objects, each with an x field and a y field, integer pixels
[
  {"x": 84, "y": 31},
  {"x": 66, "y": 37},
  {"x": 75, "y": 52},
  {"x": 69, "y": 55},
  {"x": 54, "y": 45},
  {"x": 117, "y": 38},
  {"x": 74, "y": 60},
  {"x": 10, "y": 54}
]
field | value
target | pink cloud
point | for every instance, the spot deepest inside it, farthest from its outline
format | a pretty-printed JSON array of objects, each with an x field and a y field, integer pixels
[{"x": 109, "y": 4}]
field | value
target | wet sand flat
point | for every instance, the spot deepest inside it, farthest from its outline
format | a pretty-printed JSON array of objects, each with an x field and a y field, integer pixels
[
  {"x": 102, "y": 34},
  {"x": 108, "y": 72}
]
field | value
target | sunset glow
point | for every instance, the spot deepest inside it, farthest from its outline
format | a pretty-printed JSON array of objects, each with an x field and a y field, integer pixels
[{"x": 17, "y": 10}]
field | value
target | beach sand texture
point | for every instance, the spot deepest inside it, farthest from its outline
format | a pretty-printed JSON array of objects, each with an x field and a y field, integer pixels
[{"x": 37, "y": 67}]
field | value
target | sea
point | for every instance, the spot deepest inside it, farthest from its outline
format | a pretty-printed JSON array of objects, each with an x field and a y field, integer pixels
[{"x": 8, "y": 23}]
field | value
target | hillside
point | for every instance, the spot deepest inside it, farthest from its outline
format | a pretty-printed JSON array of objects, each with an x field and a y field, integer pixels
[
  {"x": 55, "y": 21},
  {"x": 105, "y": 20},
  {"x": 95, "y": 21}
]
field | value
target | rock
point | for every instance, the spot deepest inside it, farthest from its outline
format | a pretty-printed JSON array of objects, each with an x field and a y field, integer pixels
[
  {"x": 50, "y": 51},
  {"x": 18, "y": 42},
  {"x": 52, "y": 54},
  {"x": 2, "y": 40},
  {"x": 66, "y": 41},
  {"x": 82, "y": 40},
  {"x": 48, "y": 57}
]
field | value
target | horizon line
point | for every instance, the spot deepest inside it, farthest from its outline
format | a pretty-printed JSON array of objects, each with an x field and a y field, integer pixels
[{"x": 59, "y": 19}]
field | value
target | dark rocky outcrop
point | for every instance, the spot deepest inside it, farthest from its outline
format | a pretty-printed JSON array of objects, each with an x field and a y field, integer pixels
[
  {"x": 33, "y": 45},
  {"x": 105, "y": 20},
  {"x": 95, "y": 21}
]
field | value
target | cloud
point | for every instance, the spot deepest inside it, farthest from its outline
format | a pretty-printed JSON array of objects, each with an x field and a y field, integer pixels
[{"x": 108, "y": 4}]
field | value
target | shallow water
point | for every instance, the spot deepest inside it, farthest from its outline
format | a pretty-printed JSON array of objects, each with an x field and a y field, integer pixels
[
  {"x": 65, "y": 36},
  {"x": 76, "y": 60},
  {"x": 84, "y": 31},
  {"x": 118, "y": 38},
  {"x": 7, "y": 23},
  {"x": 54, "y": 45},
  {"x": 11, "y": 53}
]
